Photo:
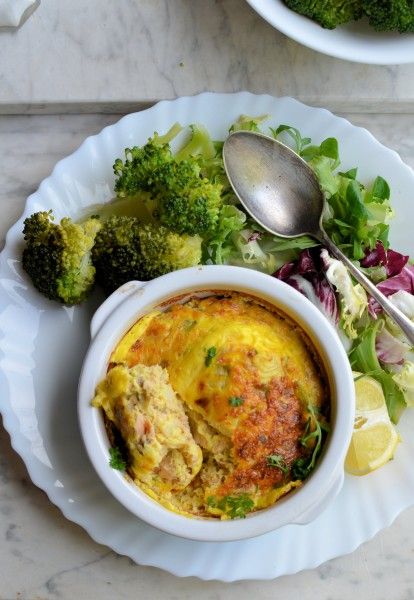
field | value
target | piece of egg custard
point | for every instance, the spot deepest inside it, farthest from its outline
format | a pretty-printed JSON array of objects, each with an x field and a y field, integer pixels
[{"x": 144, "y": 408}]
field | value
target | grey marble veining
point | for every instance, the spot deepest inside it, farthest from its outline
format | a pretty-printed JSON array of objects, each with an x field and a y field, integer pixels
[
  {"x": 45, "y": 557},
  {"x": 128, "y": 51}
]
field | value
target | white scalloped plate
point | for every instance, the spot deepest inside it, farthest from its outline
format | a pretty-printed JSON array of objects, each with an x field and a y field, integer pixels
[
  {"x": 357, "y": 41},
  {"x": 42, "y": 345}
]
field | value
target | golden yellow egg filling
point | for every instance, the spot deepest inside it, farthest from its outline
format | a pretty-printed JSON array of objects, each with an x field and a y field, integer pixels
[{"x": 219, "y": 405}]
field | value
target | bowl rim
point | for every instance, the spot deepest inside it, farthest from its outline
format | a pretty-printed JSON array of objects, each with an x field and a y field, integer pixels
[
  {"x": 129, "y": 303},
  {"x": 355, "y": 41}
]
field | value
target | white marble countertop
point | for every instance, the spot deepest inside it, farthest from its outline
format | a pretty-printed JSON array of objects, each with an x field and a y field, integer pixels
[
  {"x": 69, "y": 56},
  {"x": 45, "y": 557}
]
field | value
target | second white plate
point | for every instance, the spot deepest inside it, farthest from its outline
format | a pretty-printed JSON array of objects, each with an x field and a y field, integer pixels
[{"x": 356, "y": 41}]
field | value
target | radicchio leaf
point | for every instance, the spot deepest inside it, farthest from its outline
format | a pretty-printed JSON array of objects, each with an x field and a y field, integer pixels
[
  {"x": 389, "y": 349},
  {"x": 307, "y": 276},
  {"x": 404, "y": 281},
  {"x": 256, "y": 235},
  {"x": 392, "y": 261}
]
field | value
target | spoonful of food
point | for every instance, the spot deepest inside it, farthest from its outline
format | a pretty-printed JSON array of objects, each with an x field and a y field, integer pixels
[{"x": 281, "y": 192}]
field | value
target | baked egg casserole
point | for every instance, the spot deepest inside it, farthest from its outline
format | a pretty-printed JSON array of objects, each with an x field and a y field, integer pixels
[{"x": 218, "y": 405}]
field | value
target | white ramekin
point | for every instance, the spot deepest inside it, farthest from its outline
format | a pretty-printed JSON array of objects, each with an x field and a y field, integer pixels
[{"x": 133, "y": 300}]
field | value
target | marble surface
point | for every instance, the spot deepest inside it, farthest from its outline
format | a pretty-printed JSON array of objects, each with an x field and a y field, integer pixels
[
  {"x": 70, "y": 56},
  {"x": 45, "y": 557}
]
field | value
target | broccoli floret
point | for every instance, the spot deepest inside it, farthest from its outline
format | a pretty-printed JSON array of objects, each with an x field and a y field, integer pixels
[
  {"x": 58, "y": 257},
  {"x": 187, "y": 203},
  {"x": 209, "y": 156},
  {"x": 176, "y": 192},
  {"x": 139, "y": 171},
  {"x": 328, "y": 13},
  {"x": 390, "y": 15},
  {"x": 116, "y": 253},
  {"x": 135, "y": 175},
  {"x": 164, "y": 251},
  {"x": 127, "y": 250}
]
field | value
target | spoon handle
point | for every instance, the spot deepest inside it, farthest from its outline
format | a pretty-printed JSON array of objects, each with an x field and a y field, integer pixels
[{"x": 392, "y": 311}]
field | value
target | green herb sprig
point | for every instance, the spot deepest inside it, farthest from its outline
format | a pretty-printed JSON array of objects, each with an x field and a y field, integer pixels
[
  {"x": 236, "y": 401},
  {"x": 210, "y": 354},
  {"x": 278, "y": 462},
  {"x": 300, "y": 468},
  {"x": 236, "y": 507},
  {"x": 314, "y": 430},
  {"x": 116, "y": 460}
]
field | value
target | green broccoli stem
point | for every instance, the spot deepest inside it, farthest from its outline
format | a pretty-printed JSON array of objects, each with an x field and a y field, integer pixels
[{"x": 199, "y": 144}]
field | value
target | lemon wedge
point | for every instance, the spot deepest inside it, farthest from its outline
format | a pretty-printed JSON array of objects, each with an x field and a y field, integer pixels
[{"x": 374, "y": 439}]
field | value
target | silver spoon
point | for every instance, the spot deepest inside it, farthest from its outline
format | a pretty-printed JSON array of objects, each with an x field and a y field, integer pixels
[{"x": 281, "y": 192}]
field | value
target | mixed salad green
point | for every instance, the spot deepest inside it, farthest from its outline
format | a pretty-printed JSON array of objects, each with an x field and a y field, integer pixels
[{"x": 175, "y": 208}]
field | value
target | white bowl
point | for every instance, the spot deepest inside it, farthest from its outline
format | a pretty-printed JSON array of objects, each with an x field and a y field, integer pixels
[
  {"x": 134, "y": 299},
  {"x": 355, "y": 41}
]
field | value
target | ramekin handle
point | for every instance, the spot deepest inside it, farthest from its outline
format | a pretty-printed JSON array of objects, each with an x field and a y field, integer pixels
[{"x": 112, "y": 302}]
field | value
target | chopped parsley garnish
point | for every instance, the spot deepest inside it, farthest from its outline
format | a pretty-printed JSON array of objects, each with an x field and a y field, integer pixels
[
  {"x": 236, "y": 401},
  {"x": 300, "y": 467},
  {"x": 210, "y": 354},
  {"x": 314, "y": 430},
  {"x": 278, "y": 462},
  {"x": 235, "y": 507},
  {"x": 116, "y": 460}
]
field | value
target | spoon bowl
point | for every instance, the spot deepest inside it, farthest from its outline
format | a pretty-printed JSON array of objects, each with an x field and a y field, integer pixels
[
  {"x": 282, "y": 193},
  {"x": 275, "y": 185}
]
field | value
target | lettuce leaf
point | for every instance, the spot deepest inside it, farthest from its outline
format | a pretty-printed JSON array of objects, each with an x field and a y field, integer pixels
[
  {"x": 353, "y": 297},
  {"x": 390, "y": 349},
  {"x": 405, "y": 380},
  {"x": 249, "y": 251},
  {"x": 248, "y": 123},
  {"x": 404, "y": 301},
  {"x": 220, "y": 245},
  {"x": 363, "y": 358},
  {"x": 351, "y": 223},
  {"x": 357, "y": 217}
]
